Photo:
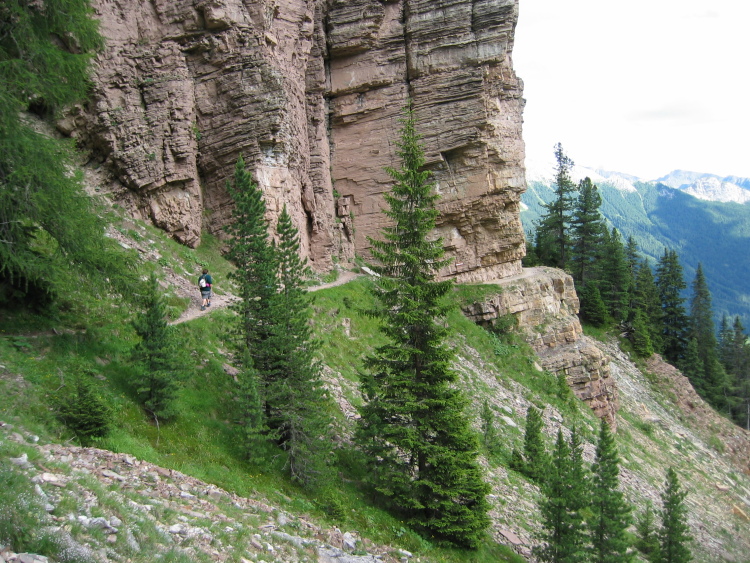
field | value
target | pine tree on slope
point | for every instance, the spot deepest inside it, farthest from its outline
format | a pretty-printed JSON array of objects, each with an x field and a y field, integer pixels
[
  {"x": 674, "y": 320},
  {"x": 702, "y": 329},
  {"x": 158, "y": 356},
  {"x": 298, "y": 403},
  {"x": 413, "y": 426},
  {"x": 674, "y": 534},
  {"x": 252, "y": 251},
  {"x": 536, "y": 459},
  {"x": 611, "y": 513},
  {"x": 588, "y": 228},
  {"x": 647, "y": 541},
  {"x": 553, "y": 237},
  {"x": 563, "y": 534}
]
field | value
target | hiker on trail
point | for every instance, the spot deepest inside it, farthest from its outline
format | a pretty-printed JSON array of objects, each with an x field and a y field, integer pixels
[{"x": 204, "y": 284}]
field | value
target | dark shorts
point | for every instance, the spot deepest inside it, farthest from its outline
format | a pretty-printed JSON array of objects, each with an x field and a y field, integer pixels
[{"x": 205, "y": 294}]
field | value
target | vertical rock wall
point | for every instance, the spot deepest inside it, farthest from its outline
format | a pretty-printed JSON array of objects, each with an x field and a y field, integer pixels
[{"x": 310, "y": 92}]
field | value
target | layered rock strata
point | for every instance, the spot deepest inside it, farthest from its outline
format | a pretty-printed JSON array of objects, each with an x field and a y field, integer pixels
[
  {"x": 545, "y": 306},
  {"x": 310, "y": 92}
]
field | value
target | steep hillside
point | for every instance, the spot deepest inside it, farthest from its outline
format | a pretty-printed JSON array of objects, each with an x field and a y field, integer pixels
[
  {"x": 182, "y": 491},
  {"x": 716, "y": 234}
]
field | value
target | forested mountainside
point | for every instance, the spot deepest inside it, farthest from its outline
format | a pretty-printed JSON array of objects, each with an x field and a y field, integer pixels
[
  {"x": 715, "y": 234},
  {"x": 392, "y": 416}
]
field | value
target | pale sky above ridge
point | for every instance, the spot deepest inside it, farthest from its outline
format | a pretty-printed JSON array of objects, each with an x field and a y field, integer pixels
[{"x": 642, "y": 87}]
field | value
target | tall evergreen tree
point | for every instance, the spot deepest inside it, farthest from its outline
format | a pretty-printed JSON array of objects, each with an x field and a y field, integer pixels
[
  {"x": 674, "y": 320},
  {"x": 714, "y": 385},
  {"x": 593, "y": 309},
  {"x": 646, "y": 299},
  {"x": 563, "y": 534},
  {"x": 611, "y": 512},
  {"x": 297, "y": 401},
  {"x": 674, "y": 534},
  {"x": 647, "y": 540},
  {"x": 553, "y": 231},
  {"x": 588, "y": 228},
  {"x": 413, "y": 426},
  {"x": 632, "y": 262},
  {"x": 615, "y": 277},
  {"x": 158, "y": 356},
  {"x": 536, "y": 459},
  {"x": 734, "y": 353},
  {"x": 251, "y": 249},
  {"x": 641, "y": 337}
]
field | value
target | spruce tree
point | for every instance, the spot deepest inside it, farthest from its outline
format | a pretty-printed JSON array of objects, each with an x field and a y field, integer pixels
[
  {"x": 413, "y": 428},
  {"x": 615, "y": 277},
  {"x": 536, "y": 459},
  {"x": 563, "y": 535},
  {"x": 647, "y": 540},
  {"x": 252, "y": 251},
  {"x": 593, "y": 309},
  {"x": 714, "y": 386},
  {"x": 674, "y": 320},
  {"x": 588, "y": 229},
  {"x": 641, "y": 337},
  {"x": 611, "y": 512},
  {"x": 674, "y": 534},
  {"x": 297, "y": 401},
  {"x": 159, "y": 356},
  {"x": 553, "y": 234},
  {"x": 646, "y": 298}
]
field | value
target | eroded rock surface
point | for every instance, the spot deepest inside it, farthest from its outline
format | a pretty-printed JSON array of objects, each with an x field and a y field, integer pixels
[
  {"x": 310, "y": 92},
  {"x": 545, "y": 305}
]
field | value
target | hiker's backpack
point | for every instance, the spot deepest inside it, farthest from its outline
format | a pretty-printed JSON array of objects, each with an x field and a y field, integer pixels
[{"x": 202, "y": 282}]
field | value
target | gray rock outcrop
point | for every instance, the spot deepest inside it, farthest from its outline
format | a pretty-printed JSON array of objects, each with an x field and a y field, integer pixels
[{"x": 545, "y": 306}]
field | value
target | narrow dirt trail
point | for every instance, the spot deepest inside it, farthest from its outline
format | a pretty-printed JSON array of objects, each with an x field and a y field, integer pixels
[{"x": 224, "y": 300}]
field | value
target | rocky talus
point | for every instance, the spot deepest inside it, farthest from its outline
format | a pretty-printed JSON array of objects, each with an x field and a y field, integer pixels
[
  {"x": 104, "y": 506},
  {"x": 544, "y": 305},
  {"x": 310, "y": 93}
]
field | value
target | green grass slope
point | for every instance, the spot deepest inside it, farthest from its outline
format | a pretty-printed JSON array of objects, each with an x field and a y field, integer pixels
[{"x": 93, "y": 339}]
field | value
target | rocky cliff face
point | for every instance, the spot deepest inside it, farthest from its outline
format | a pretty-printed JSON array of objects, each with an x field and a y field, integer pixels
[
  {"x": 545, "y": 306},
  {"x": 309, "y": 92}
]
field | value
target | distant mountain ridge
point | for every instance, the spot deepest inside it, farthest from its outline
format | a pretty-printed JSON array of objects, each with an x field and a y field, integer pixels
[{"x": 704, "y": 217}]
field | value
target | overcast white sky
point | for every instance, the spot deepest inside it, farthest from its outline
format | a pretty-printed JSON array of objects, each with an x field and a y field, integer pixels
[{"x": 642, "y": 87}]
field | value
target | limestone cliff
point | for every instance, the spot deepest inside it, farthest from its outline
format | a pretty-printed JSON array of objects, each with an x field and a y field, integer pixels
[
  {"x": 309, "y": 92},
  {"x": 545, "y": 306}
]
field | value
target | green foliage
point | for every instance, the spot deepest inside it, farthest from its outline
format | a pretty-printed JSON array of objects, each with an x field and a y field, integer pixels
[
  {"x": 563, "y": 534},
  {"x": 158, "y": 356},
  {"x": 593, "y": 309},
  {"x": 553, "y": 237},
  {"x": 588, "y": 233},
  {"x": 297, "y": 402},
  {"x": 616, "y": 281},
  {"x": 674, "y": 534},
  {"x": 647, "y": 540},
  {"x": 641, "y": 337},
  {"x": 413, "y": 427},
  {"x": 82, "y": 408},
  {"x": 608, "y": 526},
  {"x": 536, "y": 458},
  {"x": 274, "y": 338},
  {"x": 51, "y": 240},
  {"x": 674, "y": 320},
  {"x": 490, "y": 437}
]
